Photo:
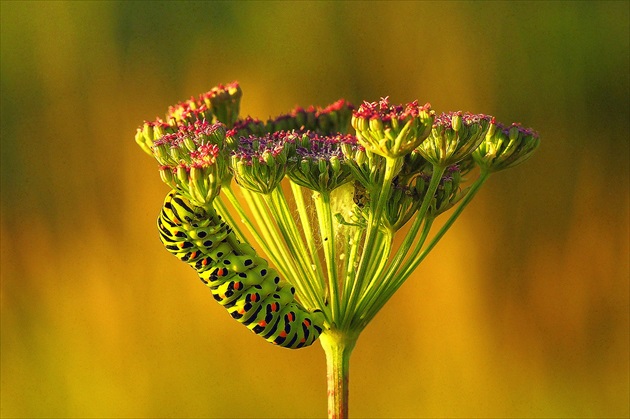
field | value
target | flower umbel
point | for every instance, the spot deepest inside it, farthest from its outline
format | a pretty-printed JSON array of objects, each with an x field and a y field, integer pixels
[
  {"x": 187, "y": 112},
  {"x": 454, "y": 137},
  {"x": 260, "y": 162},
  {"x": 504, "y": 147},
  {"x": 190, "y": 160},
  {"x": 225, "y": 102},
  {"x": 325, "y": 206},
  {"x": 318, "y": 161},
  {"x": 330, "y": 120},
  {"x": 392, "y": 130}
]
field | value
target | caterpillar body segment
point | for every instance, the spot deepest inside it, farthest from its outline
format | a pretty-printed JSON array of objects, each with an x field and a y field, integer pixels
[{"x": 239, "y": 280}]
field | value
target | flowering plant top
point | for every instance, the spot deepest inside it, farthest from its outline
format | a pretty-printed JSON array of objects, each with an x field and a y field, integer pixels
[{"x": 324, "y": 192}]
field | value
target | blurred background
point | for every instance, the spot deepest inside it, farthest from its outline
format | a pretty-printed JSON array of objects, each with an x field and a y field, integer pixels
[{"x": 521, "y": 311}]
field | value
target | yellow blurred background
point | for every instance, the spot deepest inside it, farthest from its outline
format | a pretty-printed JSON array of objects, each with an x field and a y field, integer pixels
[{"x": 521, "y": 311}]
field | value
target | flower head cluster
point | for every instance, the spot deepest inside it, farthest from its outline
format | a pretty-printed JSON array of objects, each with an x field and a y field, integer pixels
[
  {"x": 188, "y": 111},
  {"x": 200, "y": 138},
  {"x": 150, "y": 132},
  {"x": 176, "y": 147},
  {"x": 454, "y": 137},
  {"x": 224, "y": 101},
  {"x": 220, "y": 104},
  {"x": 260, "y": 162},
  {"x": 319, "y": 162},
  {"x": 246, "y": 127},
  {"x": 190, "y": 160},
  {"x": 408, "y": 191},
  {"x": 392, "y": 130},
  {"x": 332, "y": 119},
  {"x": 506, "y": 146}
]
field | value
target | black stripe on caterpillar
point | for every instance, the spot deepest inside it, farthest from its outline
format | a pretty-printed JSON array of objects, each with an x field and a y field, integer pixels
[{"x": 239, "y": 280}]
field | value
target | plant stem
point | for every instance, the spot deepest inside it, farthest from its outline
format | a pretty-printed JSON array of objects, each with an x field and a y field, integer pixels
[
  {"x": 305, "y": 222},
  {"x": 327, "y": 234},
  {"x": 381, "y": 194},
  {"x": 338, "y": 347},
  {"x": 278, "y": 206}
]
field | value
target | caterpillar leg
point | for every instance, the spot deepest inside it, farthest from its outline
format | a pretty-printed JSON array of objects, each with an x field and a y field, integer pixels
[{"x": 239, "y": 280}]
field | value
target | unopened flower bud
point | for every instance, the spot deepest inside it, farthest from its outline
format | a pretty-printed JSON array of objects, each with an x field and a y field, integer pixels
[
  {"x": 457, "y": 121},
  {"x": 196, "y": 173},
  {"x": 335, "y": 164},
  {"x": 182, "y": 174},
  {"x": 166, "y": 174},
  {"x": 190, "y": 144}
]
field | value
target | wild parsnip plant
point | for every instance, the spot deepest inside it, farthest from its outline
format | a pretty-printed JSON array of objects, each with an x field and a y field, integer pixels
[{"x": 323, "y": 192}]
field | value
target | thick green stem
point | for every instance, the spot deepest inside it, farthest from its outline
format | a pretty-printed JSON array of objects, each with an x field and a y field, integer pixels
[{"x": 338, "y": 347}]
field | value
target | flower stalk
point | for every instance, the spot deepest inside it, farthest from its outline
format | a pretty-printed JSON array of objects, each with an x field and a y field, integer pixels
[
  {"x": 334, "y": 238},
  {"x": 338, "y": 347}
]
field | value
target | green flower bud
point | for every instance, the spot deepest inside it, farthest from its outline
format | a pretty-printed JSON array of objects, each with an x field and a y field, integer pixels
[
  {"x": 162, "y": 154},
  {"x": 305, "y": 167},
  {"x": 456, "y": 122},
  {"x": 321, "y": 165},
  {"x": 335, "y": 164},
  {"x": 166, "y": 174},
  {"x": 190, "y": 144},
  {"x": 176, "y": 154},
  {"x": 150, "y": 132},
  {"x": 196, "y": 173},
  {"x": 140, "y": 140},
  {"x": 182, "y": 174}
]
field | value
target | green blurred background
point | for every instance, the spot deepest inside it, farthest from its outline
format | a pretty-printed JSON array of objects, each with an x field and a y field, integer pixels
[{"x": 521, "y": 311}]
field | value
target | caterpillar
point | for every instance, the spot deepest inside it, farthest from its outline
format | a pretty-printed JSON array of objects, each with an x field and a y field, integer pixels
[{"x": 239, "y": 280}]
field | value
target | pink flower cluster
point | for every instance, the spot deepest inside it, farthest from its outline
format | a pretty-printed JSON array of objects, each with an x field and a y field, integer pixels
[{"x": 385, "y": 111}]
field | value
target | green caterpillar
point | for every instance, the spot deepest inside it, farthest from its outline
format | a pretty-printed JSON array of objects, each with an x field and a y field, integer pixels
[{"x": 240, "y": 281}]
